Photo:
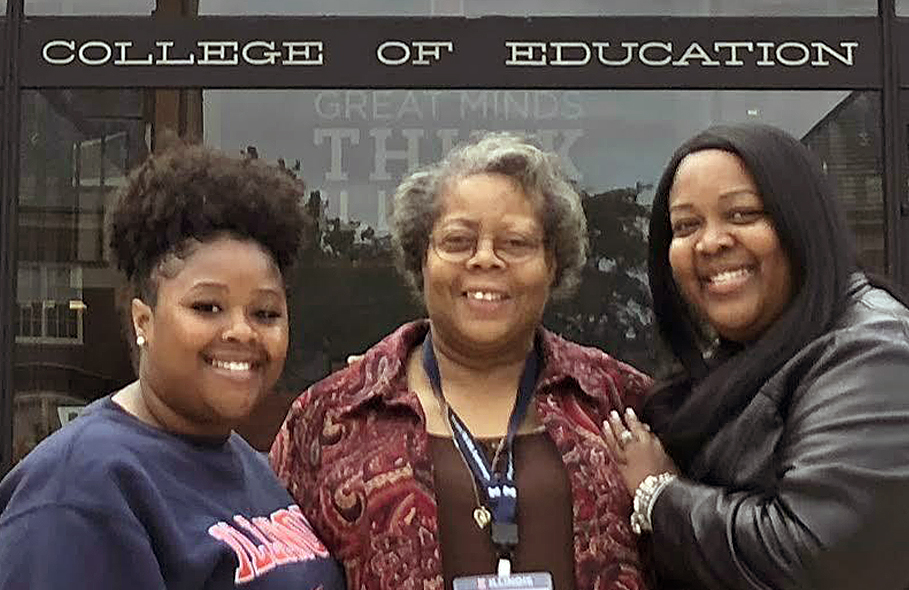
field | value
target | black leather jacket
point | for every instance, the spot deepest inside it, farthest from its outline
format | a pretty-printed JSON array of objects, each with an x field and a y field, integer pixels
[{"x": 809, "y": 487}]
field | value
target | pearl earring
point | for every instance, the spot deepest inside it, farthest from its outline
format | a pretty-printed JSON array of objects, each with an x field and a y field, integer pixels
[{"x": 140, "y": 340}]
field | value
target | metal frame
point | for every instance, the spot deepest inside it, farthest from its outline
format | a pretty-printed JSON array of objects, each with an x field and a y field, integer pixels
[
  {"x": 9, "y": 191},
  {"x": 888, "y": 34}
]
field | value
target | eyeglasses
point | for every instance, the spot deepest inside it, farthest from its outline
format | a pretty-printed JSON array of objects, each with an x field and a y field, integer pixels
[{"x": 460, "y": 245}]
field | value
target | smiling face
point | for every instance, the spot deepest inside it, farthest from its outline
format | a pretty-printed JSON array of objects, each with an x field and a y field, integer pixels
[
  {"x": 725, "y": 255},
  {"x": 486, "y": 305},
  {"x": 215, "y": 340}
]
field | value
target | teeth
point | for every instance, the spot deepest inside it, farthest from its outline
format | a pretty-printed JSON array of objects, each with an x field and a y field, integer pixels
[
  {"x": 485, "y": 296},
  {"x": 729, "y": 275},
  {"x": 232, "y": 365}
]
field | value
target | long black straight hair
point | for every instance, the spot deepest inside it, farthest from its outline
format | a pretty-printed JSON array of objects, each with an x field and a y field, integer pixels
[{"x": 693, "y": 402}]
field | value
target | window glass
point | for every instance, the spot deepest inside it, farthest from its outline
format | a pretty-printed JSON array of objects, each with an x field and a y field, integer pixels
[
  {"x": 106, "y": 7},
  {"x": 352, "y": 147},
  {"x": 76, "y": 149},
  {"x": 902, "y": 7},
  {"x": 545, "y": 7}
]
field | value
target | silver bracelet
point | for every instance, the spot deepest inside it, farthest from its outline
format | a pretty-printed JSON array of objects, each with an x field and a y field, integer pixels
[{"x": 644, "y": 499}]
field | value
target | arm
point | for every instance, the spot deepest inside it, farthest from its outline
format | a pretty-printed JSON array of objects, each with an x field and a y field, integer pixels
[
  {"x": 840, "y": 510},
  {"x": 57, "y": 547}
]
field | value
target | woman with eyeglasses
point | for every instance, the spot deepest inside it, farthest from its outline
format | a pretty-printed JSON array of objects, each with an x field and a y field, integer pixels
[{"x": 467, "y": 446}]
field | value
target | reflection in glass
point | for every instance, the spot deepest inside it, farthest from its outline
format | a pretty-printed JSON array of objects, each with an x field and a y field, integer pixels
[
  {"x": 352, "y": 147},
  {"x": 544, "y": 7},
  {"x": 76, "y": 149},
  {"x": 902, "y": 7},
  {"x": 848, "y": 141},
  {"x": 100, "y": 7}
]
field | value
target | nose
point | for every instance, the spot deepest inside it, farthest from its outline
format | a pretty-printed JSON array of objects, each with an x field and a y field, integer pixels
[
  {"x": 714, "y": 238},
  {"x": 238, "y": 328},
  {"x": 485, "y": 254}
]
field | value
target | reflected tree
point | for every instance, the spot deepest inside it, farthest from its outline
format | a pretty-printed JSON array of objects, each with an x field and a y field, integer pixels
[{"x": 611, "y": 309}]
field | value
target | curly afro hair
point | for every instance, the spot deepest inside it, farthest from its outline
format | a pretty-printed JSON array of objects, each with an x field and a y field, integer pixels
[{"x": 191, "y": 193}]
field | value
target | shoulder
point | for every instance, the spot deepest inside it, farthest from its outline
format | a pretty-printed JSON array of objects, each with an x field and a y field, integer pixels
[
  {"x": 374, "y": 374},
  {"x": 874, "y": 309},
  {"x": 596, "y": 372},
  {"x": 579, "y": 360},
  {"x": 79, "y": 465},
  {"x": 865, "y": 353},
  {"x": 872, "y": 322}
]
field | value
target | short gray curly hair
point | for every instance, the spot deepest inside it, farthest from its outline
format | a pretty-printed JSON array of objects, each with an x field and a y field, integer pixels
[{"x": 417, "y": 205}]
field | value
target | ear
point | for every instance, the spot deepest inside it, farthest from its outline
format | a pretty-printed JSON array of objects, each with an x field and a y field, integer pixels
[{"x": 142, "y": 316}]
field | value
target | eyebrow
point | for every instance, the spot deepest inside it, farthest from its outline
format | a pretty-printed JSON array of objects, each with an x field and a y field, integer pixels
[
  {"x": 221, "y": 287},
  {"x": 509, "y": 225},
  {"x": 724, "y": 197}
]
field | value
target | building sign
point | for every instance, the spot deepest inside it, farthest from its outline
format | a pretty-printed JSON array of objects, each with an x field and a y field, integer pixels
[{"x": 488, "y": 52}]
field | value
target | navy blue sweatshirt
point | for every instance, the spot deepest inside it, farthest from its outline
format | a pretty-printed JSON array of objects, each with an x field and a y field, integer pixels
[{"x": 109, "y": 502}]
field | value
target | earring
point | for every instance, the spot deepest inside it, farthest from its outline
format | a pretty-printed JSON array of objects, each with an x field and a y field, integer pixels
[{"x": 140, "y": 340}]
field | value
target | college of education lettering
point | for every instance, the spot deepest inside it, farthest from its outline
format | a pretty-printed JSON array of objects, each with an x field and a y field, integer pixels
[
  {"x": 62, "y": 52},
  {"x": 515, "y": 54},
  {"x": 665, "y": 53}
]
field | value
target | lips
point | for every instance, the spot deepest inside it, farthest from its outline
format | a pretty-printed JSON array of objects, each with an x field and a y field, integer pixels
[
  {"x": 485, "y": 295},
  {"x": 728, "y": 276},
  {"x": 231, "y": 365},
  {"x": 234, "y": 364},
  {"x": 728, "y": 280}
]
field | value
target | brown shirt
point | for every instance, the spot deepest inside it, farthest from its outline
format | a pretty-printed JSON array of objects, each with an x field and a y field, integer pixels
[{"x": 544, "y": 512}]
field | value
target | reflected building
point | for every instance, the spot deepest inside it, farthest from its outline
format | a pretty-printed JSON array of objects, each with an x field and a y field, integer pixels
[{"x": 848, "y": 142}]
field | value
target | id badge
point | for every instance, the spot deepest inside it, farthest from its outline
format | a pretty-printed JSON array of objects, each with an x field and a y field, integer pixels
[{"x": 527, "y": 581}]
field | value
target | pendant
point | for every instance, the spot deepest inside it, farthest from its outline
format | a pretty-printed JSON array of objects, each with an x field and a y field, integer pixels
[{"x": 481, "y": 516}]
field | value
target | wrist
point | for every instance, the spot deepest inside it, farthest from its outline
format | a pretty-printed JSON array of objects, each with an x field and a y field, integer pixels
[{"x": 645, "y": 497}]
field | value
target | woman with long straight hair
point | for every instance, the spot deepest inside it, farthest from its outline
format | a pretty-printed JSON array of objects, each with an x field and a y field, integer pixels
[{"x": 776, "y": 454}]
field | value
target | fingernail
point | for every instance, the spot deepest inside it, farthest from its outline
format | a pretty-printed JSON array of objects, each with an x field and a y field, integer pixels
[
  {"x": 630, "y": 412},
  {"x": 614, "y": 415}
]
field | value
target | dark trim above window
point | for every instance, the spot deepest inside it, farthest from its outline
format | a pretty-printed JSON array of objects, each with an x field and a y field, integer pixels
[{"x": 423, "y": 52}]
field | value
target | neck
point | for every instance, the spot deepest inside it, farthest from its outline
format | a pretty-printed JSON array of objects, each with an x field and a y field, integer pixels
[
  {"x": 139, "y": 399},
  {"x": 481, "y": 373}
]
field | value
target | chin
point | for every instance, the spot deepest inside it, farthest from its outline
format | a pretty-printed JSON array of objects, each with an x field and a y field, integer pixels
[
  {"x": 234, "y": 411},
  {"x": 492, "y": 339}
]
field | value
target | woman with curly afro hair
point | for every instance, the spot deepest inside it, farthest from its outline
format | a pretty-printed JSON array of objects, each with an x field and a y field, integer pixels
[{"x": 150, "y": 487}]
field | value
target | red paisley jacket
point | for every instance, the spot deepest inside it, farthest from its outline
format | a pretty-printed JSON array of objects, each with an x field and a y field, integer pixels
[{"x": 354, "y": 454}]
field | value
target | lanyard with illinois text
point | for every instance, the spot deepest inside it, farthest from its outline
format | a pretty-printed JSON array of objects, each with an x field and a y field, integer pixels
[{"x": 500, "y": 494}]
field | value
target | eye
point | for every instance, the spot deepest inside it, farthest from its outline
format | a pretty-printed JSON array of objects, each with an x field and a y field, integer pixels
[
  {"x": 744, "y": 216},
  {"x": 206, "y": 307},
  {"x": 684, "y": 227},
  {"x": 517, "y": 245},
  {"x": 456, "y": 241},
  {"x": 268, "y": 315}
]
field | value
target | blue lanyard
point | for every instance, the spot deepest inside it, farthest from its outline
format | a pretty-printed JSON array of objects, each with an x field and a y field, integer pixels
[{"x": 498, "y": 486}]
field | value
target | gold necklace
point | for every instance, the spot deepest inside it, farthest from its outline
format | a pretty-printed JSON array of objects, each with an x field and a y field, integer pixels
[{"x": 481, "y": 514}]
